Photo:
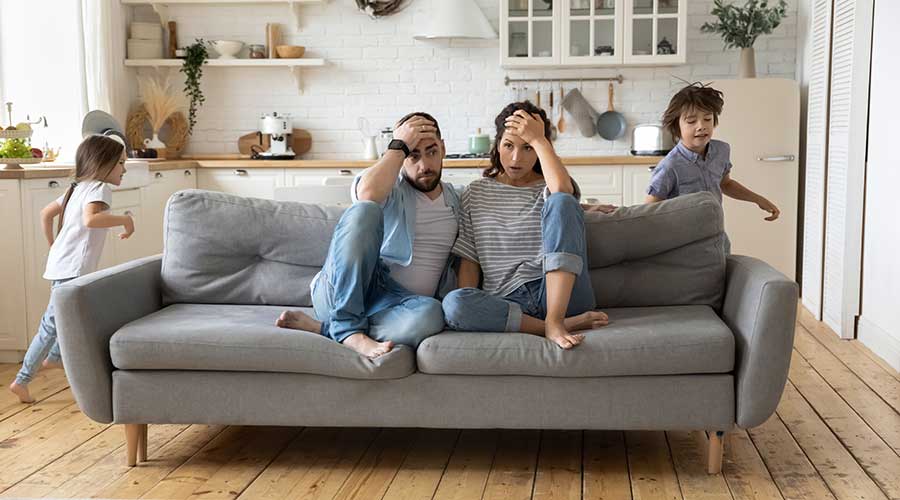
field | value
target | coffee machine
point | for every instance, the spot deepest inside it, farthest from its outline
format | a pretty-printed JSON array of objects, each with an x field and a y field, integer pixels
[{"x": 278, "y": 128}]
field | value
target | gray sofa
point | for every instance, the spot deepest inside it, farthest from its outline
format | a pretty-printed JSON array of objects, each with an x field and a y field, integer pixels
[{"x": 697, "y": 340}]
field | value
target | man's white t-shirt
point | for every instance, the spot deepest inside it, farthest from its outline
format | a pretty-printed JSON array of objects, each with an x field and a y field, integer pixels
[
  {"x": 77, "y": 248},
  {"x": 436, "y": 228}
]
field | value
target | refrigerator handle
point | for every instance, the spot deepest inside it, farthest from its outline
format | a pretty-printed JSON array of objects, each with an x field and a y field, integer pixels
[{"x": 776, "y": 158}]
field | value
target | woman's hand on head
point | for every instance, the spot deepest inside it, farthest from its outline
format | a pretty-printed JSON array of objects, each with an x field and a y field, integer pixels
[{"x": 528, "y": 127}]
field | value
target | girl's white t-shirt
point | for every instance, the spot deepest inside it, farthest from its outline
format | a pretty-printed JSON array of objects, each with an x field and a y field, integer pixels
[{"x": 77, "y": 248}]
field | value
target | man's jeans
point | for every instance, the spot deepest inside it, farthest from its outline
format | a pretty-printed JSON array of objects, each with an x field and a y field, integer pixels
[
  {"x": 354, "y": 292},
  {"x": 43, "y": 345},
  {"x": 565, "y": 249}
]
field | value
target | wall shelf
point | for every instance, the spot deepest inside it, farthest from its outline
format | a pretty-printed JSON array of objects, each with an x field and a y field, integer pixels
[
  {"x": 295, "y": 65},
  {"x": 161, "y": 7}
]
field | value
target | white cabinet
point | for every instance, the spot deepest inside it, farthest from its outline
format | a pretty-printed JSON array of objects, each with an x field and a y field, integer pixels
[
  {"x": 596, "y": 33},
  {"x": 598, "y": 184},
  {"x": 636, "y": 180},
  {"x": 36, "y": 194},
  {"x": 118, "y": 250},
  {"x": 249, "y": 182},
  {"x": 155, "y": 195},
  {"x": 12, "y": 274}
]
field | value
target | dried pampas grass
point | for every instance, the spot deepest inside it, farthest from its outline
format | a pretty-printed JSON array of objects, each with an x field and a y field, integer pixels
[{"x": 158, "y": 101}]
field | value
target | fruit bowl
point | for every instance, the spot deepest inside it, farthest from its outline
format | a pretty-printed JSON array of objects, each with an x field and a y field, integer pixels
[
  {"x": 13, "y": 163},
  {"x": 15, "y": 134},
  {"x": 227, "y": 49},
  {"x": 290, "y": 51}
]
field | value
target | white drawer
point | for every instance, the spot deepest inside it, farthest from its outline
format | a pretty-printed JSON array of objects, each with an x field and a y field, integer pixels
[{"x": 598, "y": 179}]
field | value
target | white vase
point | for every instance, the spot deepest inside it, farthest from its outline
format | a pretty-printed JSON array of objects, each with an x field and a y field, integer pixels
[
  {"x": 748, "y": 63},
  {"x": 154, "y": 143}
]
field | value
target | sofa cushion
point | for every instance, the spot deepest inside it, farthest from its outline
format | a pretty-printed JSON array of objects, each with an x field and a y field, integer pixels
[
  {"x": 226, "y": 249},
  {"x": 667, "y": 340},
  {"x": 658, "y": 254},
  {"x": 242, "y": 338}
]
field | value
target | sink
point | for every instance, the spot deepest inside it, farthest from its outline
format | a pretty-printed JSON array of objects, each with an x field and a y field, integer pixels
[{"x": 137, "y": 175}]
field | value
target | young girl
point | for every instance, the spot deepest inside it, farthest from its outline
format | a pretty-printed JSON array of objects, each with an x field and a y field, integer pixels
[
  {"x": 699, "y": 163},
  {"x": 83, "y": 221},
  {"x": 521, "y": 229}
]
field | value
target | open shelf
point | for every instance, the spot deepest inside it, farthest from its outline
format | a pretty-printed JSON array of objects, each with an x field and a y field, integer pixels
[
  {"x": 162, "y": 6},
  {"x": 295, "y": 65}
]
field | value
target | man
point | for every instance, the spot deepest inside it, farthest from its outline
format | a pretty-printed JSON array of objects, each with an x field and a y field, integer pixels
[{"x": 389, "y": 257}]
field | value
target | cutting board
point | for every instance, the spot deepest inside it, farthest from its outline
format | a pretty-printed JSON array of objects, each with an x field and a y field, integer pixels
[{"x": 301, "y": 141}]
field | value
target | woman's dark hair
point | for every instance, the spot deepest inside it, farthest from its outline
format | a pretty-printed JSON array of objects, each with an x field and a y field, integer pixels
[
  {"x": 500, "y": 122},
  {"x": 95, "y": 158},
  {"x": 694, "y": 96}
]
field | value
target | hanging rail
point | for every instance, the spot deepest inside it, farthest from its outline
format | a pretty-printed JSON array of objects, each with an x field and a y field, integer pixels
[{"x": 507, "y": 80}]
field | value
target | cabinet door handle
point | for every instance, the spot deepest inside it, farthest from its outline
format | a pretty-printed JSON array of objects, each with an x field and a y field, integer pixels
[
  {"x": 345, "y": 172},
  {"x": 240, "y": 171},
  {"x": 650, "y": 168},
  {"x": 53, "y": 184},
  {"x": 775, "y": 158},
  {"x": 129, "y": 213},
  {"x": 158, "y": 175},
  {"x": 187, "y": 173}
]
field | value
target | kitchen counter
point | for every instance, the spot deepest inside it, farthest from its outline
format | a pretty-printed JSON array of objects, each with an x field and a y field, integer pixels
[{"x": 47, "y": 170}]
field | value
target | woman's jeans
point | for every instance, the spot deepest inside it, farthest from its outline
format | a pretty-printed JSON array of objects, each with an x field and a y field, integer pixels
[
  {"x": 354, "y": 292},
  {"x": 565, "y": 249},
  {"x": 43, "y": 345}
]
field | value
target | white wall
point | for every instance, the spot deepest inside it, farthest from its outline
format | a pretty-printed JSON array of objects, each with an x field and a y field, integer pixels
[
  {"x": 879, "y": 325},
  {"x": 375, "y": 69}
]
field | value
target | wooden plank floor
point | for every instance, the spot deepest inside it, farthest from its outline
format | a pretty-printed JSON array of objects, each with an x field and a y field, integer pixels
[{"x": 835, "y": 435}]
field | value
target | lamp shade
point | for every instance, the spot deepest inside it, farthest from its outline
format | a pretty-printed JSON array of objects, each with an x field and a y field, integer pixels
[{"x": 456, "y": 19}]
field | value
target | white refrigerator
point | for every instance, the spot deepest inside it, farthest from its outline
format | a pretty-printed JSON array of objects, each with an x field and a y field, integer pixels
[{"x": 761, "y": 122}]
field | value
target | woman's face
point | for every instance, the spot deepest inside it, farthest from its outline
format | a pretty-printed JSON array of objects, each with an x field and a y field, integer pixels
[{"x": 516, "y": 157}]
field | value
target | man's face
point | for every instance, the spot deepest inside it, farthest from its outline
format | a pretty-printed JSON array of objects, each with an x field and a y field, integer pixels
[{"x": 422, "y": 168}]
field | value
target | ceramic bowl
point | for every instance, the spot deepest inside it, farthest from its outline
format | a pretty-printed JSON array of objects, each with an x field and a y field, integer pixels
[
  {"x": 290, "y": 51},
  {"x": 227, "y": 49}
]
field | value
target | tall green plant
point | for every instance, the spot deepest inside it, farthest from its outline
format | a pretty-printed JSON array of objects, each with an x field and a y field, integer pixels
[
  {"x": 195, "y": 55},
  {"x": 741, "y": 26}
]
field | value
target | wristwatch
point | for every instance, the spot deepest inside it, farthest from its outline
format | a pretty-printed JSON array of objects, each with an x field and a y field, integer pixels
[{"x": 399, "y": 145}]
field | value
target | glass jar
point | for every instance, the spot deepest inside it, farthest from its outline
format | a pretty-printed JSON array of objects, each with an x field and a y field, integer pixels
[
  {"x": 385, "y": 138},
  {"x": 257, "y": 51}
]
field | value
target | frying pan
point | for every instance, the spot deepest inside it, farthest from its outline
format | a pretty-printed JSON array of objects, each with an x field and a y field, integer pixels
[{"x": 611, "y": 124}]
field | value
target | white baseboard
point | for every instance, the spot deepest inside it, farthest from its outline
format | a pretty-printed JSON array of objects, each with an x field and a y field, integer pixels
[
  {"x": 12, "y": 356},
  {"x": 880, "y": 341}
]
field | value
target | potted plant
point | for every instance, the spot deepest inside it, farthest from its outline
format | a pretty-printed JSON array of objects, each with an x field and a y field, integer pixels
[
  {"x": 741, "y": 26},
  {"x": 195, "y": 55}
]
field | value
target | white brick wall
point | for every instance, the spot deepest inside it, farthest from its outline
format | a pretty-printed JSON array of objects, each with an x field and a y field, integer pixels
[{"x": 377, "y": 70}]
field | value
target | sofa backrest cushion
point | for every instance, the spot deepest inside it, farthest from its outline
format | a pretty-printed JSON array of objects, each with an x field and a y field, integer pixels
[
  {"x": 226, "y": 249},
  {"x": 667, "y": 253}
]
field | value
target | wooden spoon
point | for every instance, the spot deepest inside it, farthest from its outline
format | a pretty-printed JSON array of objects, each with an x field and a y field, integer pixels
[{"x": 561, "y": 125}]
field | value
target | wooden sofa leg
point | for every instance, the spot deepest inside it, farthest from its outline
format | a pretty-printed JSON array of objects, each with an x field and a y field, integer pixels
[
  {"x": 716, "y": 449},
  {"x": 142, "y": 444},
  {"x": 133, "y": 438}
]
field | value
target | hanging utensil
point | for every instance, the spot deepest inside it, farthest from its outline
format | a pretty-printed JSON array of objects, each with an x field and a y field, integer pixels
[
  {"x": 611, "y": 125},
  {"x": 561, "y": 124}
]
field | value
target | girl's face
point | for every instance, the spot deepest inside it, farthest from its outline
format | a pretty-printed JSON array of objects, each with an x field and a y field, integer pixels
[
  {"x": 517, "y": 158},
  {"x": 115, "y": 175},
  {"x": 696, "y": 129}
]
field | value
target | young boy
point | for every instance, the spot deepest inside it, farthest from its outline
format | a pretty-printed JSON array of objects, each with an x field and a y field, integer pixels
[{"x": 698, "y": 163}]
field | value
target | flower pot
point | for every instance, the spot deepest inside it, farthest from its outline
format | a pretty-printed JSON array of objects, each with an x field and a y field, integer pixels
[{"x": 748, "y": 63}]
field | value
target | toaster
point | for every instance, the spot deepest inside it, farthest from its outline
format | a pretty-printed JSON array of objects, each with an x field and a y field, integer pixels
[{"x": 650, "y": 139}]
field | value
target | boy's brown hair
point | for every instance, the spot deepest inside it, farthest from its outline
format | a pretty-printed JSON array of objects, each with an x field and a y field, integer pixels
[{"x": 694, "y": 96}]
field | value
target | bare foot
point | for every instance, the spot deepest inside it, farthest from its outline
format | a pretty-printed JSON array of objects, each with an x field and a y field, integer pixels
[
  {"x": 299, "y": 320},
  {"x": 22, "y": 392},
  {"x": 368, "y": 347},
  {"x": 586, "y": 321},
  {"x": 52, "y": 365},
  {"x": 558, "y": 333}
]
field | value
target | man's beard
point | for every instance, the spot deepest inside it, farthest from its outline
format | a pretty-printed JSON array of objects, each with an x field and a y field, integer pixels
[{"x": 423, "y": 186}]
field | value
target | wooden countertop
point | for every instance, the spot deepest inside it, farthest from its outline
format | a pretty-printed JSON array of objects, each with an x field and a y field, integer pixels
[{"x": 48, "y": 170}]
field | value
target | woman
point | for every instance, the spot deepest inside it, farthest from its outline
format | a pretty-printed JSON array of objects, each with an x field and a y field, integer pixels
[{"x": 522, "y": 227}]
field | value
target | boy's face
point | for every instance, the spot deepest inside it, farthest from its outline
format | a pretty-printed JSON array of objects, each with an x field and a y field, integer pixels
[{"x": 696, "y": 128}]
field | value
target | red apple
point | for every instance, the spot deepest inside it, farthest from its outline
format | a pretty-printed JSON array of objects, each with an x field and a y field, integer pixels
[{"x": 36, "y": 153}]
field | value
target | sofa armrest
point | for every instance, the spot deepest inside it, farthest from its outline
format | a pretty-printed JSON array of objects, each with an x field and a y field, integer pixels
[
  {"x": 761, "y": 310},
  {"x": 89, "y": 310}
]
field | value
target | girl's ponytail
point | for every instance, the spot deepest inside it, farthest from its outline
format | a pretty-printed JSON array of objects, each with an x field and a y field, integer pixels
[{"x": 65, "y": 202}]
